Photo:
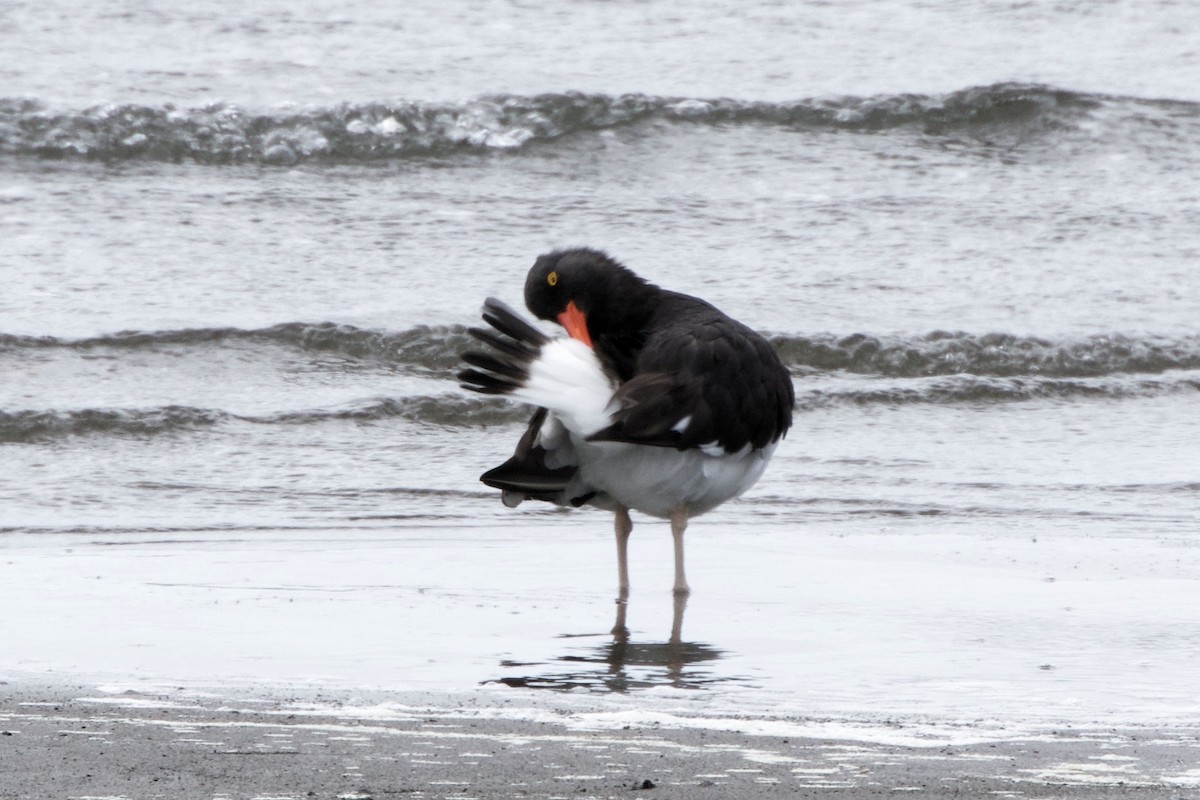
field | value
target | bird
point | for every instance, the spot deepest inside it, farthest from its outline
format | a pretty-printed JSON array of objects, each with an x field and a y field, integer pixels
[{"x": 654, "y": 401}]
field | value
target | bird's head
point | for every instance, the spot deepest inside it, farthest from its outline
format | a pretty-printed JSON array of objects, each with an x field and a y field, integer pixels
[{"x": 584, "y": 290}]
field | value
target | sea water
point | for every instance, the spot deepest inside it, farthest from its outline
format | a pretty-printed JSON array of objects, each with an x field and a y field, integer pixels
[{"x": 240, "y": 246}]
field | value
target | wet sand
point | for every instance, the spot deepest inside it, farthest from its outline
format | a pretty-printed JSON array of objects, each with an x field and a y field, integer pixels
[
  {"x": 450, "y": 662},
  {"x": 1093, "y": 627},
  {"x": 80, "y": 742}
]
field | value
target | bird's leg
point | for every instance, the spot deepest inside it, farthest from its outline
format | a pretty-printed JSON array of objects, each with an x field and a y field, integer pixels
[
  {"x": 679, "y": 520},
  {"x": 620, "y": 631},
  {"x": 677, "y": 620},
  {"x": 624, "y": 527}
]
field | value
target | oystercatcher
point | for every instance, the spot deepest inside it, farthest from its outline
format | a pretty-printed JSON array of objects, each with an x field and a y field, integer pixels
[{"x": 655, "y": 401}]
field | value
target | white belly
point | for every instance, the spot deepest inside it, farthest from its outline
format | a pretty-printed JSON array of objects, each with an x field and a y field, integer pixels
[
  {"x": 660, "y": 480},
  {"x": 568, "y": 380}
]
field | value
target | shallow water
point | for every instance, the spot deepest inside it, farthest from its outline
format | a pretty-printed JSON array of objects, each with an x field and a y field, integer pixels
[
  {"x": 988, "y": 627},
  {"x": 237, "y": 281}
]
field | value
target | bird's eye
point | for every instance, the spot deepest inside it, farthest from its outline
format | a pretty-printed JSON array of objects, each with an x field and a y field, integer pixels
[{"x": 552, "y": 279}]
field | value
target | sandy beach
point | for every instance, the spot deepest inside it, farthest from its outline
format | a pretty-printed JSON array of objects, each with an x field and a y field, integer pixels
[
  {"x": 342, "y": 664},
  {"x": 80, "y": 742}
]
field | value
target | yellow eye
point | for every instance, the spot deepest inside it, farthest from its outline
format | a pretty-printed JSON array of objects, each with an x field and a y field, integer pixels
[{"x": 552, "y": 278}]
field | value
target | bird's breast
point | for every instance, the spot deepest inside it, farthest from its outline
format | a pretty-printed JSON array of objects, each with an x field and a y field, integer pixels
[{"x": 660, "y": 480}]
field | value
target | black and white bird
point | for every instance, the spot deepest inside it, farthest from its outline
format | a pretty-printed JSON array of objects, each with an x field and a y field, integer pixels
[{"x": 655, "y": 401}]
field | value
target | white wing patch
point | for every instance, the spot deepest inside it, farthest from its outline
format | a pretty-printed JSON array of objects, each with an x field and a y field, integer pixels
[{"x": 567, "y": 379}]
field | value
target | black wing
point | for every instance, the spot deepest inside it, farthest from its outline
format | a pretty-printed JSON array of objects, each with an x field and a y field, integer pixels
[
  {"x": 702, "y": 378},
  {"x": 526, "y": 472},
  {"x": 515, "y": 344}
]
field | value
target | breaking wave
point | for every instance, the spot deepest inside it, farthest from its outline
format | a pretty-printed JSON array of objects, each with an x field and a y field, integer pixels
[
  {"x": 993, "y": 354},
  {"x": 371, "y": 132},
  {"x": 860, "y": 369},
  {"x": 459, "y": 411},
  {"x": 962, "y": 389},
  {"x": 448, "y": 409},
  {"x": 437, "y": 349},
  {"x": 424, "y": 347}
]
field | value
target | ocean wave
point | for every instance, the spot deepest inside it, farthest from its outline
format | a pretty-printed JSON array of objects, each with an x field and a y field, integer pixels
[
  {"x": 975, "y": 390},
  {"x": 436, "y": 349},
  {"x": 34, "y": 426},
  {"x": 462, "y": 411},
  {"x": 371, "y": 132},
  {"x": 446, "y": 410},
  {"x": 993, "y": 354},
  {"x": 422, "y": 347}
]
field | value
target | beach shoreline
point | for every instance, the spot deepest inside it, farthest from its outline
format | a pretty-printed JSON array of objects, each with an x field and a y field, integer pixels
[
  {"x": 210, "y": 665},
  {"x": 81, "y": 740}
]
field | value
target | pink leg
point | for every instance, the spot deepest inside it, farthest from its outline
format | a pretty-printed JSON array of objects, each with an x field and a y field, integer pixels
[
  {"x": 620, "y": 632},
  {"x": 679, "y": 520},
  {"x": 677, "y": 620},
  {"x": 624, "y": 527}
]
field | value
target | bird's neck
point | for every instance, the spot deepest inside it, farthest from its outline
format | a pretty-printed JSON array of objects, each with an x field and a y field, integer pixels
[{"x": 619, "y": 328}]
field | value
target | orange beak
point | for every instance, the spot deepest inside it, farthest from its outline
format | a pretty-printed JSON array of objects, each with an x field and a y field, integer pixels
[{"x": 575, "y": 321}]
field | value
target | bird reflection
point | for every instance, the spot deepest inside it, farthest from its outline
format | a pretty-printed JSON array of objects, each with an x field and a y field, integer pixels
[{"x": 621, "y": 664}]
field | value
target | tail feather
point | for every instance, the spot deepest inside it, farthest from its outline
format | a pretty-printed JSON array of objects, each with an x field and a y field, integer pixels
[
  {"x": 526, "y": 475},
  {"x": 533, "y": 480}
]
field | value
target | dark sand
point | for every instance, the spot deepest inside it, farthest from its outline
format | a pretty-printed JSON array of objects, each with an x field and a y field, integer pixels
[{"x": 71, "y": 742}]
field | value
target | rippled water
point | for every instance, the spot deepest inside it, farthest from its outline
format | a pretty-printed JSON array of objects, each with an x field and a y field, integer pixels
[{"x": 237, "y": 278}]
